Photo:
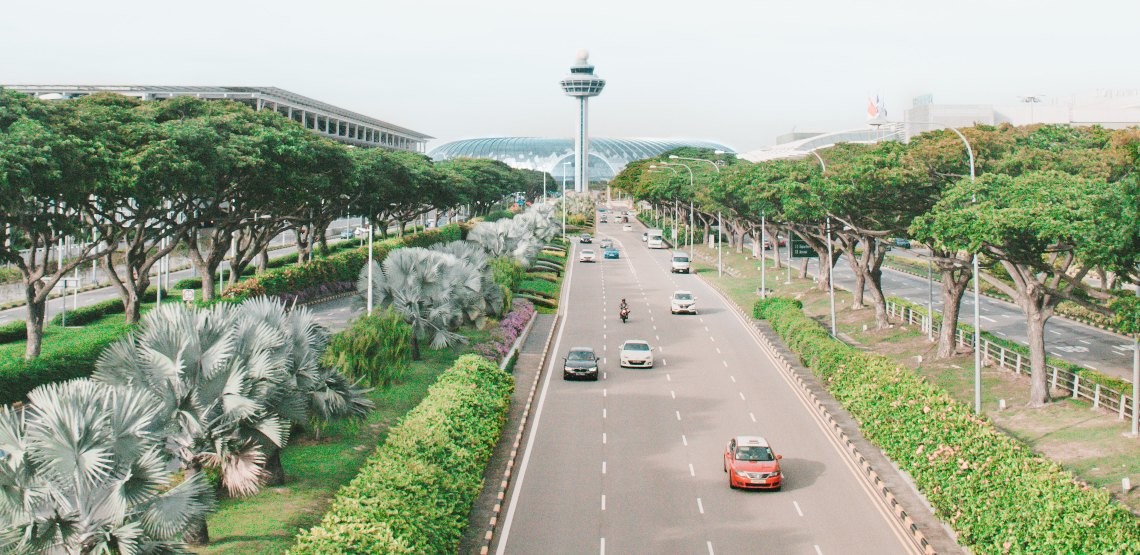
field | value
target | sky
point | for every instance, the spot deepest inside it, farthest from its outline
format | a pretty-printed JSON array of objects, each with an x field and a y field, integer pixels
[{"x": 732, "y": 71}]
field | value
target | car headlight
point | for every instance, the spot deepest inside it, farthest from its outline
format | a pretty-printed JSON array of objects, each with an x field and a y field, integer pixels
[{"x": 741, "y": 473}]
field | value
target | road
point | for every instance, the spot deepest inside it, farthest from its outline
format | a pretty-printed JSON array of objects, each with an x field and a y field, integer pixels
[
  {"x": 632, "y": 463},
  {"x": 1093, "y": 348}
]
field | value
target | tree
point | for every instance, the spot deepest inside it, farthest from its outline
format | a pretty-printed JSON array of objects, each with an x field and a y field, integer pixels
[
  {"x": 46, "y": 175},
  {"x": 1047, "y": 229},
  {"x": 83, "y": 472}
]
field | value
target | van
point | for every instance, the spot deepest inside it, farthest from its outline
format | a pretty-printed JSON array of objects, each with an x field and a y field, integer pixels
[
  {"x": 656, "y": 239},
  {"x": 680, "y": 262}
]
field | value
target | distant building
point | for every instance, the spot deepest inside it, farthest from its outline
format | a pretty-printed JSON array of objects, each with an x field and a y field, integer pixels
[
  {"x": 556, "y": 156},
  {"x": 329, "y": 121},
  {"x": 1111, "y": 108},
  {"x": 803, "y": 147}
]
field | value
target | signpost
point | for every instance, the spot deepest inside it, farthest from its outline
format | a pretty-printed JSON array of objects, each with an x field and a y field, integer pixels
[
  {"x": 64, "y": 284},
  {"x": 187, "y": 296},
  {"x": 800, "y": 248}
]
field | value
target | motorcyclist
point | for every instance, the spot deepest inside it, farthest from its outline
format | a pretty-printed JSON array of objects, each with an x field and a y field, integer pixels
[{"x": 623, "y": 310}]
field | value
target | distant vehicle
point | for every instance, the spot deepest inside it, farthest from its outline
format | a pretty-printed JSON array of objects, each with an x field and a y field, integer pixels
[
  {"x": 656, "y": 239},
  {"x": 624, "y": 219},
  {"x": 682, "y": 301},
  {"x": 636, "y": 353},
  {"x": 627, "y": 227},
  {"x": 346, "y": 233},
  {"x": 751, "y": 464},
  {"x": 580, "y": 362},
  {"x": 360, "y": 231},
  {"x": 680, "y": 263},
  {"x": 585, "y": 238},
  {"x": 587, "y": 255},
  {"x": 603, "y": 219},
  {"x": 611, "y": 253},
  {"x": 644, "y": 236},
  {"x": 607, "y": 243},
  {"x": 902, "y": 242}
]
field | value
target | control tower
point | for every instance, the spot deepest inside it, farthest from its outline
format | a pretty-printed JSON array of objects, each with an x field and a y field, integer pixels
[{"x": 582, "y": 83}]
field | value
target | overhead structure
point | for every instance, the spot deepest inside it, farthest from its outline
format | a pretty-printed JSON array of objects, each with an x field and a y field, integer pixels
[
  {"x": 324, "y": 119},
  {"x": 582, "y": 84},
  {"x": 607, "y": 157}
]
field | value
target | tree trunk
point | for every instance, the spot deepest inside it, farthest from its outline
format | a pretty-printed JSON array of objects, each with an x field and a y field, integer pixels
[
  {"x": 415, "y": 347},
  {"x": 37, "y": 312},
  {"x": 263, "y": 261},
  {"x": 197, "y": 533},
  {"x": 274, "y": 473},
  {"x": 860, "y": 282},
  {"x": 132, "y": 305},
  {"x": 953, "y": 288},
  {"x": 803, "y": 268},
  {"x": 1038, "y": 378}
]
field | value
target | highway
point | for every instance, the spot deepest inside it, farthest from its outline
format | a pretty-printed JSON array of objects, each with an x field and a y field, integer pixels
[{"x": 632, "y": 463}]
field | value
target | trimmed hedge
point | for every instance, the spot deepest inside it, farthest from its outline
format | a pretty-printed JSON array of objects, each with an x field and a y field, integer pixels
[
  {"x": 996, "y": 493},
  {"x": 74, "y": 359},
  {"x": 539, "y": 287},
  {"x": 342, "y": 266},
  {"x": 413, "y": 495},
  {"x": 13, "y": 331}
]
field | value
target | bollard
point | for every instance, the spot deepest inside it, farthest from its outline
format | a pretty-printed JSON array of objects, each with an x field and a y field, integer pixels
[
  {"x": 919, "y": 357},
  {"x": 1001, "y": 404},
  {"x": 864, "y": 327},
  {"x": 1126, "y": 484}
]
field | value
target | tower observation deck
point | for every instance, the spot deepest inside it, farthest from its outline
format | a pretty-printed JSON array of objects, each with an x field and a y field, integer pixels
[{"x": 582, "y": 84}]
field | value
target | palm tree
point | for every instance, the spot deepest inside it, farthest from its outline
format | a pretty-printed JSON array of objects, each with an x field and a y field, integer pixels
[
  {"x": 305, "y": 393},
  {"x": 488, "y": 299},
  {"x": 424, "y": 287},
  {"x": 211, "y": 385},
  {"x": 83, "y": 471}
]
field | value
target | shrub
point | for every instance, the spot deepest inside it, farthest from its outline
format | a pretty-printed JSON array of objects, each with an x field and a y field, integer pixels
[
  {"x": 539, "y": 287},
  {"x": 376, "y": 349},
  {"x": 413, "y": 495},
  {"x": 86, "y": 314},
  {"x": 498, "y": 215},
  {"x": 510, "y": 327},
  {"x": 13, "y": 331},
  {"x": 507, "y": 272},
  {"x": 73, "y": 355},
  {"x": 188, "y": 283},
  {"x": 998, "y": 495}
]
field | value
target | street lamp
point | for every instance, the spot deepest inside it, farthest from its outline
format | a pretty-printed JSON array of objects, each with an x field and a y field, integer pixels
[
  {"x": 564, "y": 168},
  {"x": 691, "y": 223},
  {"x": 977, "y": 312}
]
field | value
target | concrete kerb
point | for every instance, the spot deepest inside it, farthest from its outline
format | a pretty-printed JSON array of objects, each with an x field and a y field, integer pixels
[
  {"x": 517, "y": 345},
  {"x": 850, "y": 449},
  {"x": 489, "y": 536}
]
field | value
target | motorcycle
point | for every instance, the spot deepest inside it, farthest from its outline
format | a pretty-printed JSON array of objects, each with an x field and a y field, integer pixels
[{"x": 624, "y": 315}]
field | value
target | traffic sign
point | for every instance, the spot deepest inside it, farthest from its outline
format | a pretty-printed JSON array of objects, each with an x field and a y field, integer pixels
[{"x": 800, "y": 248}]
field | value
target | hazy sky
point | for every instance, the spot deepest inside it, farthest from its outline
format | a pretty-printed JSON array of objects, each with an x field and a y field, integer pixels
[{"x": 737, "y": 72}]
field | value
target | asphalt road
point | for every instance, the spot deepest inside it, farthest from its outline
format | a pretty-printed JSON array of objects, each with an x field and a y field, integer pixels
[
  {"x": 633, "y": 463},
  {"x": 1093, "y": 348}
]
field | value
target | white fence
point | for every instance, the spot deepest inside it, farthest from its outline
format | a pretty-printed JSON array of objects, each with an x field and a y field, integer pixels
[{"x": 1061, "y": 381}]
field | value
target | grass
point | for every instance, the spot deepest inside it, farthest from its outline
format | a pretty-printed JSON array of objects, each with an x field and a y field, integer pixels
[
  {"x": 267, "y": 523},
  {"x": 1088, "y": 443}
]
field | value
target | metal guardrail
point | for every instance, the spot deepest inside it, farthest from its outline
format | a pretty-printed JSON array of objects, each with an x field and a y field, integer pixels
[{"x": 1060, "y": 380}]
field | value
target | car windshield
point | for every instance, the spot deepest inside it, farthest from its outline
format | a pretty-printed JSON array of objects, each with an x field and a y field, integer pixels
[
  {"x": 753, "y": 453},
  {"x": 680, "y": 259},
  {"x": 581, "y": 355},
  {"x": 683, "y": 296},
  {"x": 637, "y": 346}
]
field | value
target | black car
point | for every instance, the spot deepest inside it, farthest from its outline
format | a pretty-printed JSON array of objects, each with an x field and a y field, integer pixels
[
  {"x": 585, "y": 238},
  {"x": 580, "y": 362}
]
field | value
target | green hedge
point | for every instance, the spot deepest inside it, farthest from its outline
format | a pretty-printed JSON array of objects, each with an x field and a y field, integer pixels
[
  {"x": 539, "y": 287},
  {"x": 13, "y": 331},
  {"x": 338, "y": 267},
  {"x": 72, "y": 355},
  {"x": 413, "y": 495},
  {"x": 996, "y": 493}
]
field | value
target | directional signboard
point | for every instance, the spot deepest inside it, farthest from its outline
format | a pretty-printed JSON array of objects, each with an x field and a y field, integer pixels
[{"x": 800, "y": 248}]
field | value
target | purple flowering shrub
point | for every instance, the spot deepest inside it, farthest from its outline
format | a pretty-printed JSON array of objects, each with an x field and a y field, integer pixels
[{"x": 510, "y": 327}]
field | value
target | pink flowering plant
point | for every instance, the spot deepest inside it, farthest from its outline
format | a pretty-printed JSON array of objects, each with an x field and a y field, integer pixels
[{"x": 510, "y": 327}]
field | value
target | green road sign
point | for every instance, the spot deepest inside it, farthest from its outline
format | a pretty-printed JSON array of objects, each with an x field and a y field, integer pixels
[{"x": 800, "y": 248}]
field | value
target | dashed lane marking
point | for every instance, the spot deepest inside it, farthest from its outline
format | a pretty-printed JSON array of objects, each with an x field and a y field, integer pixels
[
  {"x": 752, "y": 416},
  {"x": 798, "y": 510},
  {"x": 700, "y": 506}
]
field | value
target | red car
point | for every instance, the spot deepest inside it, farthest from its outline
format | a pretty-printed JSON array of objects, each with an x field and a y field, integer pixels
[{"x": 751, "y": 464}]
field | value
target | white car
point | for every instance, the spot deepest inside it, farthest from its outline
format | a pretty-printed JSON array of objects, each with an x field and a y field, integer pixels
[
  {"x": 636, "y": 353},
  {"x": 587, "y": 255},
  {"x": 627, "y": 227},
  {"x": 683, "y": 301}
]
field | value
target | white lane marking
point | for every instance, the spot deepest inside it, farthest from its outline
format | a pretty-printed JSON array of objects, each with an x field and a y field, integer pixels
[
  {"x": 665, "y": 362},
  {"x": 711, "y": 338},
  {"x": 692, "y": 472},
  {"x": 1091, "y": 367},
  {"x": 603, "y": 438},
  {"x": 752, "y": 416},
  {"x": 603, "y": 552},
  {"x": 1055, "y": 332},
  {"x": 654, "y": 328},
  {"x": 678, "y": 415},
  {"x": 741, "y": 395},
  {"x": 603, "y": 413},
  {"x": 1085, "y": 342},
  {"x": 818, "y": 551},
  {"x": 603, "y": 501},
  {"x": 702, "y": 320},
  {"x": 706, "y": 328},
  {"x": 661, "y": 348},
  {"x": 733, "y": 378},
  {"x": 667, "y": 378},
  {"x": 798, "y": 510},
  {"x": 709, "y": 543},
  {"x": 603, "y": 467},
  {"x": 603, "y": 392},
  {"x": 725, "y": 363},
  {"x": 718, "y": 350},
  {"x": 672, "y": 394},
  {"x": 605, "y": 360},
  {"x": 988, "y": 319},
  {"x": 658, "y": 337},
  {"x": 605, "y": 347},
  {"x": 700, "y": 506},
  {"x": 1002, "y": 334},
  {"x": 605, "y": 375},
  {"x": 684, "y": 440}
]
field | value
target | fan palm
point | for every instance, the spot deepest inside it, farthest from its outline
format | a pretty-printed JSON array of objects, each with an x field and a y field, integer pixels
[
  {"x": 488, "y": 298},
  {"x": 423, "y": 286},
  {"x": 82, "y": 471}
]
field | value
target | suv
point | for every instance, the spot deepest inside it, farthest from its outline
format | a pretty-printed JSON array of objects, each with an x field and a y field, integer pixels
[
  {"x": 580, "y": 362},
  {"x": 680, "y": 263},
  {"x": 683, "y": 301},
  {"x": 751, "y": 464}
]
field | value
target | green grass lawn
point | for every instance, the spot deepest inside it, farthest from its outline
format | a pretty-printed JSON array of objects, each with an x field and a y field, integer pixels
[{"x": 267, "y": 523}]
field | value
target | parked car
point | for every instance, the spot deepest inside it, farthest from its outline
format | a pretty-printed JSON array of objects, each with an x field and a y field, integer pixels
[
  {"x": 360, "y": 231},
  {"x": 607, "y": 243},
  {"x": 610, "y": 253},
  {"x": 902, "y": 242},
  {"x": 636, "y": 353},
  {"x": 580, "y": 362},
  {"x": 587, "y": 255},
  {"x": 585, "y": 238},
  {"x": 346, "y": 233},
  {"x": 682, "y": 301},
  {"x": 751, "y": 464}
]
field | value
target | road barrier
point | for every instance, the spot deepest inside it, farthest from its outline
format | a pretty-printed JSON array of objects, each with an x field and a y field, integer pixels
[{"x": 1060, "y": 380}]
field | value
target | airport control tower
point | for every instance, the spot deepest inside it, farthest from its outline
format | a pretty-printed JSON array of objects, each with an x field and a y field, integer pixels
[{"x": 582, "y": 83}]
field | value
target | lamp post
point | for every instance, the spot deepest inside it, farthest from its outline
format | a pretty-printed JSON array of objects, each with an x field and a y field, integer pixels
[
  {"x": 715, "y": 167},
  {"x": 564, "y": 164}
]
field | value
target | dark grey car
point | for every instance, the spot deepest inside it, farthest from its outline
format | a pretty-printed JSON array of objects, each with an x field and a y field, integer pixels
[{"x": 580, "y": 362}]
